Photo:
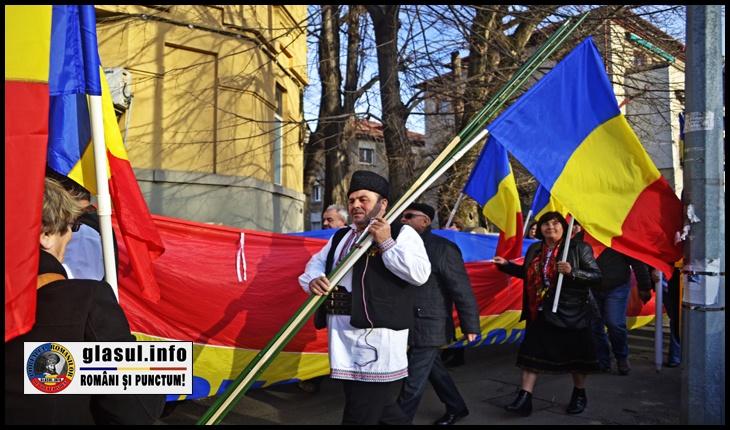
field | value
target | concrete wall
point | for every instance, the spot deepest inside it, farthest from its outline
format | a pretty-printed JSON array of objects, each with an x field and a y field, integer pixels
[{"x": 246, "y": 203}]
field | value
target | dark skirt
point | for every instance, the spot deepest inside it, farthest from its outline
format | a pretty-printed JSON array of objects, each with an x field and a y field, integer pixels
[{"x": 553, "y": 350}]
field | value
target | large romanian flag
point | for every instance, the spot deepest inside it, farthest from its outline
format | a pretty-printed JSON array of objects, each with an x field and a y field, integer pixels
[
  {"x": 51, "y": 68},
  {"x": 27, "y": 56},
  {"x": 568, "y": 131},
  {"x": 76, "y": 64},
  {"x": 492, "y": 185}
]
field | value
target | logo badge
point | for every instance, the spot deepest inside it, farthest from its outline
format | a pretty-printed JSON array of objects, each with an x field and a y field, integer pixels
[{"x": 50, "y": 368}]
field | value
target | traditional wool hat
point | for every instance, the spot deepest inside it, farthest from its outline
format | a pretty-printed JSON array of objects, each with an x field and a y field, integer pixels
[
  {"x": 422, "y": 207},
  {"x": 371, "y": 181}
]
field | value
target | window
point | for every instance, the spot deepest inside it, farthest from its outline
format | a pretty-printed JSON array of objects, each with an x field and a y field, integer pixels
[
  {"x": 278, "y": 124},
  {"x": 317, "y": 193},
  {"x": 315, "y": 221},
  {"x": 367, "y": 156},
  {"x": 639, "y": 58}
]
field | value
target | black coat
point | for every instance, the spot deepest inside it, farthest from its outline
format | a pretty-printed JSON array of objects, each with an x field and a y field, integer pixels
[
  {"x": 616, "y": 269},
  {"x": 73, "y": 310},
  {"x": 580, "y": 257},
  {"x": 447, "y": 286}
]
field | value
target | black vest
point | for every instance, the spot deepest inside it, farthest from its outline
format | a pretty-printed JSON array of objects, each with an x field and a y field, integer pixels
[{"x": 389, "y": 298}]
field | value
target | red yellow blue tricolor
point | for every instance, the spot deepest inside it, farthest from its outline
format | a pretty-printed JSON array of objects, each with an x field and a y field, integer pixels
[
  {"x": 231, "y": 321},
  {"x": 27, "y": 59},
  {"x": 545, "y": 202},
  {"x": 491, "y": 183},
  {"x": 568, "y": 131},
  {"x": 77, "y": 73}
]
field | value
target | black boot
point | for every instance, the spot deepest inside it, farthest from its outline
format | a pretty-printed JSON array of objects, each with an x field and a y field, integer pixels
[
  {"x": 522, "y": 405},
  {"x": 578, "y": 401}
]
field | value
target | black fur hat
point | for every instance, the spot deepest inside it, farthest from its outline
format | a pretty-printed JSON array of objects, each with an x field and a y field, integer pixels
[
  {"x": 422, "y": 207},
  {"x": 371, "y": 181}
]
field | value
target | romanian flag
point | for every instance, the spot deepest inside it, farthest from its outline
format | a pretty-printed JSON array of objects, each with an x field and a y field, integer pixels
[
  {"x": 27, "y": 54},
  {"x": 545, "y": 202},
  {"x": 492, "y": 185},
  {"x": 568, "y": 131},
  {"x": 76, "y": 64}
]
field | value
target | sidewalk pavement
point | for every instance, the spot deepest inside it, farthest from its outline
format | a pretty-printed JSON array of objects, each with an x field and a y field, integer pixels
[{"x": 488, "y": 381}]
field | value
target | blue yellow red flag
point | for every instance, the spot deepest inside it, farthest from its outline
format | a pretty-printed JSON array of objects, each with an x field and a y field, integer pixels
[
  {"x": 568, "y": 131},
  {"x": 491, "y": 183},
  {"x": 545, "y": 202},
  {"x": 76, "y": 72}
]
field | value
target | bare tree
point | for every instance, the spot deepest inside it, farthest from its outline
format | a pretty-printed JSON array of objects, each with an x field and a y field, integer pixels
[
  {"x": 337, "y": 101},
  {"x": 422, "y": 46}
]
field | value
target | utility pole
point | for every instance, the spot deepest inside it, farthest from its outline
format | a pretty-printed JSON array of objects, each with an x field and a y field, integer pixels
[{"x": 703, "y": 272}]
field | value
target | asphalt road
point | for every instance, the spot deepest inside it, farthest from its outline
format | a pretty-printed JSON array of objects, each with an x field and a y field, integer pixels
[{"x": 488, "y": 381}]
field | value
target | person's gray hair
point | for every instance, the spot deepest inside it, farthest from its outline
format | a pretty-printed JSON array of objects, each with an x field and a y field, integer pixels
[{"x": 342, "y": 212}]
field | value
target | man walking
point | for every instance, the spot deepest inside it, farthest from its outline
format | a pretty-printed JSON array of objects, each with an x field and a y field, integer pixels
[
  {"x": 612, "y": 297},
  {"x": 447, "y": 286},
  {"x": 335, "y": 216},
  {"x": 370, "y": 311}
]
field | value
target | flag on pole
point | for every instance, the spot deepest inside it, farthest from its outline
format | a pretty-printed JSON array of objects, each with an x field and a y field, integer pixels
[
  {"x": 568, "y": 131},
  {"x": 492, "y": 185},
  {"x": 75, "y": 61},
  {"x": 545, "y": 202},
  {"x": 27, "y": 53}
]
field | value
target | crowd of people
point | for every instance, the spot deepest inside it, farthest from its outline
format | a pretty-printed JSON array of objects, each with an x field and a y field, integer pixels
[
  {"x": 577, "y": 336},
  {"x": 389, "y": 319}
]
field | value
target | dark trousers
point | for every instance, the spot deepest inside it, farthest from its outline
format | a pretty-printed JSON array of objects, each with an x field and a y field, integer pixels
[
  {"x": 372, "y": 403},
  {"x": 425, "y": 365}
]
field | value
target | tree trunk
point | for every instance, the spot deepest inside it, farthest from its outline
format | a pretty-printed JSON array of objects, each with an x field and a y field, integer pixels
[{"x": 385, "y": 25}]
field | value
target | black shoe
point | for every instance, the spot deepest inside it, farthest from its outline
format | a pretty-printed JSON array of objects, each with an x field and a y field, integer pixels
[
  {"x": 624, "y": 368},
  {"x": 449, "y": 419},
  {"x": 671, "y": 365},
  {"x": 522, "y": 404},
  {"x": 605, "y": 369},
  {"x": 578, "y": 401}
]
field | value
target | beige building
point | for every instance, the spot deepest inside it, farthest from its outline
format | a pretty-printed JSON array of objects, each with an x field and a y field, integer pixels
[
  {"x": 210, "y": 105},
  {"x": 366, "y": 151}
]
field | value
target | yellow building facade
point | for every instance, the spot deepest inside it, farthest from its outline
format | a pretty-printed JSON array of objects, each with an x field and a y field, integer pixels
[{"x": 211, "y": 108}]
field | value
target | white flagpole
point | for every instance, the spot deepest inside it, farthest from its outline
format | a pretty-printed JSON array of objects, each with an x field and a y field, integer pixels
[
  {"x": 527, "y": 223},
  {"x": 563, "y": 258},
  {"x": 104, "y": 206},
  {"x": 658, "y": 322},
  {"x": 453, "y": 211}
]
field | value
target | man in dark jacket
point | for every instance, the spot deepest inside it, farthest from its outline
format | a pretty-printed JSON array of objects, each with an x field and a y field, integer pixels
[
  {"x": 612, "y": 296},
  {"x": 434, "y": 326}
]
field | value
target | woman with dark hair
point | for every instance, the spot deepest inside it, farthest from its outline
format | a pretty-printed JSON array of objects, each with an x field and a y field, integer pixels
[
  {"x": 70, "y": 310},
  {"x": 546, "y": 348}
]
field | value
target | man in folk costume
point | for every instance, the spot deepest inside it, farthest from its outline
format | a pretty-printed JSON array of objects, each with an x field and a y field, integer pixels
[{"x": 370, "y": 311}]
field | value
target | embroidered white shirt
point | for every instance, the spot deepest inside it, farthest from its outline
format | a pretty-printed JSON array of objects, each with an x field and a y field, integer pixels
[{"x": 371, "y": 355}]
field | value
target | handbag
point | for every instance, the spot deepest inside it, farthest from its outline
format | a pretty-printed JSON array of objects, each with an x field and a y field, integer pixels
[{"x": 572, "y": 313}]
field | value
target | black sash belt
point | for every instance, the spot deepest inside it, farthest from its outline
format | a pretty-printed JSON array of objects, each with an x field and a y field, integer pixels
[{"x": 339, "y": 302}]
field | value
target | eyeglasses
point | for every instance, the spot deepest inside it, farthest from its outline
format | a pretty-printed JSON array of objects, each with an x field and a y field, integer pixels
[
  {"x": 411, "y": 215},
  {"x": 75, "y": 225}
]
